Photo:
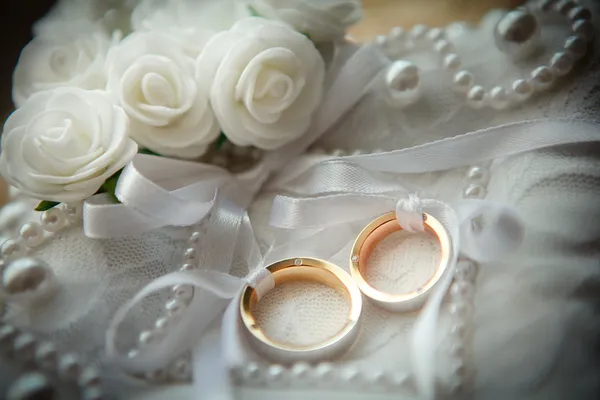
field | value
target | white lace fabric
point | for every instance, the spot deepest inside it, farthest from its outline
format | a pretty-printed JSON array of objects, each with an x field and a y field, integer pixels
[{"x": 536, "y": 320}]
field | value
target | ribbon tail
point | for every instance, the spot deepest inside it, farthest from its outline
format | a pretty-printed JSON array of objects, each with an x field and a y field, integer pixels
[{"x": 210, "y": 372}]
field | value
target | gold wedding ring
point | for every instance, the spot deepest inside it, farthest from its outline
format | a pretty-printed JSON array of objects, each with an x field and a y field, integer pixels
[
  {"x": 304, "y": 269},
  {"x": 374, "y": 233}
]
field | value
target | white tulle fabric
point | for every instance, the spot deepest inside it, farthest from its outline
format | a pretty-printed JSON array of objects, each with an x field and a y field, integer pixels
[{"x": 535, "y": 322}]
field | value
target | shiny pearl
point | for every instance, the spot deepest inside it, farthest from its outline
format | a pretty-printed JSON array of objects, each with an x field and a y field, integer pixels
[
  {"x": 518, "y": 33},
  {"x": 187, "y": 267},
  {"x": 195, "y": 238},
  {"x": 73, "y": 212},
  {"x": 435, "y": 34},
  {"x": 30, "y": 277},
  {"x": 251, "y": 372},
  {"x": 456, "y": 386},
  {"x": 521, "y": 90},
  {"x": 476, "y": 97},
  {"x": 442, "y": 47},
  {"x": 418, "y": 32},
  {"x": 162, "y": 324},
  {"x": 53, "y": 219},
  {"x": 24, "y": 347},
  {"x": 498, "y": 98},
  {"x": 478, "y": 175},
  {"x": 11, "y": 248},
  {"x": 403, "y": 82},
  {"x": 461, "y": 289},
  {"x": 175, "y": 308},
  {"x": 457, "y": 349},
  {"x": 397, "y": 379},
  {"x": 561, "y": 63},
  {"x": 180, "y": 370},
  {"x": 7, "y": 335},
  {"x": 31, "y": 386},
  {"x": 183, "y": 292},
  {"x": 542, "y": 78},
  {"x": 459, "y": 309},
  {"x": 458, "y": 368},
  {"x": 90, "y": 376},
  {"x": 381, "y": 41},
  {"x": 452, "y": 62},
  {"x": 32, "y": 234},
  {"x": 580, "y": 13},
  {"x": 69, "y": 367},
  {"x": 565, "y": 6},
  {"x": 46, "y": 356},
  {"x": 577, "y": 46},
  {"x": 466, "y": 270},
  {"x": 147, "y": 338},
  {"x": 133, "y": 353},
  {"x": 300, "y": 370},
  {"x": 275, "y": 372},
  {"x": 397, "y": 33},
  {"x": 474, "y": 191},
  {"x": 463, "y": 81},
  {"x": 350, "y": 374},
  {"x": 324, "y": 371},
  {"x": 583, "y": 28},
  {"x": 189, "y": 253}
]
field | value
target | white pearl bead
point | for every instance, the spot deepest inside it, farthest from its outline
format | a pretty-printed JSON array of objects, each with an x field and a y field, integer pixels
[
  {"x": 324, "y": 371},
  {"x": 381, "y": 41},
  {"x": 476, "y": 97},
  {"x": 466, "y": 270},
  {"x": 435, "y": 34},
  {"x": 521, "y": 90},
  {"x": 577, "y": 46},
  {"x": 461, "y": 289},
  {"x": 583, "y": 28},
  {"x": 187, "y": 267},
  {"x": 7, "y": 335},
  {"x": 29, "y": 386},
  {"x": 463, "y": 81},
  {"x": 180, "y": 370},
  {"x": 518, "y": 33},
  {"x": 561, "y": 63},
  {"x": 175, "y": 308},
  {"x": 189, "y": 253},
  {"x": 32, "y": 234},
  {"x": 376, "y": 378},
  {"x": 478, "y": 175},
  {"x": 457, "y": 349},
  {"x": 69, "y": 367},
  {"x": 251, "y": 372},
  {"x": 442, "y": 47},
  {"x": 403, "y": 82},
  {"x": 195, "y": 238},
  {"x": 498, "y": 98},
  {"x": 455, "y": 386},
  {"x": 275, "y": 373},
  {"x": 474, "y": 192},
  {"x": 580, "y": 13},
  {"x": 183, "y": 292},
  {"x": 397, "y": 33},
  {"x": 133, "y": 353},
  {"x": 564, "y": 6},
  {"x": 12, "y": 248},
  {"x": 452, "y": 62},
  {"x": 146, "y": 338},
  {"x": 162, "y": 324},
  {"x": 397, "y": 379},
  {"x": 29, "y": 278},
  {"x": 90, "y": 376},
  {"x": 350, "y": 375},
  {"x": 73, "y": 212},
  {"x": 458, "y": 368},
  {"x": 459, "y": 309},
  {"x": 542, "y": 78},
  {"x": 24, "y": 347},
  {"x": 53, "y": 219},
  {"x": 300, "y": 370},
  {"x": 46, "y": 356},
  {"x": 418, "y": 32}
]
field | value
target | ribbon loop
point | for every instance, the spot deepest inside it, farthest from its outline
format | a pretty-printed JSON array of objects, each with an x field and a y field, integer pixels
[
  {"x": 409, "y": 213},
  {"x": 262, "y": 281}
]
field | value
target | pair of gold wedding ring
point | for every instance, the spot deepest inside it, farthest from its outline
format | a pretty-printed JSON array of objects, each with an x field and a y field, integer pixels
[{"x": 350, "y": 285}]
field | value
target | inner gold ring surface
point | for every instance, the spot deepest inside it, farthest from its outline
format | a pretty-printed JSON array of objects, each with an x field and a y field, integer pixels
[
  {"x": 305, "y": 269},
  {"x": 374, "y": 233}
]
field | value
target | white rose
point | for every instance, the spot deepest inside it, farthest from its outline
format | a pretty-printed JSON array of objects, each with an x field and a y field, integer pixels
[
  {"x": 321, "y": 20},
  {"x": 152, "y": 78},
  {"x": 62, "y": 144},
  {"x": 266, "y": 82},
  {"x": 64, "y": 59},
  {"x": 190, "y": 22}
]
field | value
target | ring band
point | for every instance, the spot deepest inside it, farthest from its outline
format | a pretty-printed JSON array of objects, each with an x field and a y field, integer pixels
[
  {"x": 305, "y": 269},
  {"x": 366, "y": 241}
]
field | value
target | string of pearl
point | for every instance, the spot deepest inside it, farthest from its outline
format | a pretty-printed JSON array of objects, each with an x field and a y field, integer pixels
[{"x": 402, "y": 76}]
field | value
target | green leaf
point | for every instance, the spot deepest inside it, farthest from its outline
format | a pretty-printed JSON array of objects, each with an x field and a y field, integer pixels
[
  {"x": 253, "y": 11},
  {"x": 220, "y": 141},
  {"x": 149, "y": 152},
  {"x": 46, "y": 205},
  {"x": 110, "y": 185}
]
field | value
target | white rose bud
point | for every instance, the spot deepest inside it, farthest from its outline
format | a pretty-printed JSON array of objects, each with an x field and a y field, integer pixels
[
  {"x": 321, "y": 20},
  {"x": 266, "y": 82},
  {"x": 152, "y": 78},
  {"x": 62, "y": 144},
  {"x": 64, "y": 59}
]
